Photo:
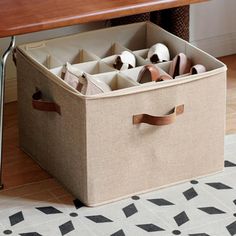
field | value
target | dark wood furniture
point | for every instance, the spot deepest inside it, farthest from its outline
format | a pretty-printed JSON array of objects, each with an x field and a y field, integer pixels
[{"x": 24, "y": 16}]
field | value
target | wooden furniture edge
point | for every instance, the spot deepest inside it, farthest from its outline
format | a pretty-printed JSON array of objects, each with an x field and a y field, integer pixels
[{"x": 18, "y": 19}]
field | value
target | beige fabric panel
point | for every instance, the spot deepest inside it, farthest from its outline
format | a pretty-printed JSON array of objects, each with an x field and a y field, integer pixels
[
  {"x": 99, "y": 42},
  {"x": 129, "y": 158},
  {"x": 57, "y": 143}
]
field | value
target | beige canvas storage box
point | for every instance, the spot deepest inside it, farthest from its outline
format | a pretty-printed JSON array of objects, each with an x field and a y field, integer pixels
[{"x": 90, "y": 143}]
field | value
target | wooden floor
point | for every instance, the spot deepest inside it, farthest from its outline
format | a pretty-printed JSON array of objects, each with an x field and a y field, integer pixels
[
  {"x": 230, "y": 61},
  {"x": 19, "y": 169}
]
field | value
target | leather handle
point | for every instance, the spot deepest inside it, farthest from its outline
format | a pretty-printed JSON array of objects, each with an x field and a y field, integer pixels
[
  {"x": 159, "y": 120},
  {"x": 41, "y": 105}
]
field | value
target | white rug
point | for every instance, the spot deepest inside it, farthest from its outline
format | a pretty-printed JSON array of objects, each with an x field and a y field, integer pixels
[{"x": 202, "y": 207}]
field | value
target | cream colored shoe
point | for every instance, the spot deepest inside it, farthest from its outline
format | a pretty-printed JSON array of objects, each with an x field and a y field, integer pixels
[
  {"x": 124, "y": 61},
  {"x": 89, "y": 86},
  {"x": 83, "y": 82},
  {"x": 158, "y": 53},
  {"x": 71, "y": 75},
  {"x": 197, "y": 69}
]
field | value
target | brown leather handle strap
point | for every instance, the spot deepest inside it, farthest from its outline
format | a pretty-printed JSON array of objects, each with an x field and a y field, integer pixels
[
  {"x": 41, "y": 105},
  {"x": 159, "y": 120}
]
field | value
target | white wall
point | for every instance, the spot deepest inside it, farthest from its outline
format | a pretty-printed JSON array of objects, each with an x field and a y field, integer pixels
[{"x": 213, "y": 26}]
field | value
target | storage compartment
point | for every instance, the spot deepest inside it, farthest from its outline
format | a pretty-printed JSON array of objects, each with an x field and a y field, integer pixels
[{"x": 133, "y": 139}]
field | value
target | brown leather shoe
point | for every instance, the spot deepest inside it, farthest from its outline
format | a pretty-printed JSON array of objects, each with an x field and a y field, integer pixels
[
  {"x": 180, "y": 65},
  {"x": 150, "y": 73}
]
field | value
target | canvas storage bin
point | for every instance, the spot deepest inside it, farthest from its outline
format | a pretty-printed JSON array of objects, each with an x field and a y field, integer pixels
[{"x": 92, "y": 147}]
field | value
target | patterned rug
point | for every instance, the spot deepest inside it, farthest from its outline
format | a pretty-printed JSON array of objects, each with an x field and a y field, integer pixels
[{"x": 201, "y": 207}]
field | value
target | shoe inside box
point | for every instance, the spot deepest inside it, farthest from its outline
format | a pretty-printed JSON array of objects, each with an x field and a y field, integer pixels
[
  {"x": 139, "y": 61},
  {"x": 134, "y": 74}
]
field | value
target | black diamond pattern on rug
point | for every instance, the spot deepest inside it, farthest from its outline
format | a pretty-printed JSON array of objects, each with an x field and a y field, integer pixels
[
  {"x": 150, "y": 227},
  {"x": 234, "y": 201},
  {"x": 130, "y": 210},
  {"x": 66, "y": 228},
  {"x": 161, "y": 202},
  {"x": 211, "y": 210},
  {"x": 31, "y": 234},
  {"x": 119, "y": 233},
  {"x": 219, "y": 186},
  {"x": 48, "y": 210},
  {"x": 190, "y": 194},
  {"x": 99, "y": 219},
  {"x": 229, "y": 164},
  {"x": 232, "y": 228},
  {"x": 181, "y": 218},
  {"x": 201, "y": 234},
  {"x": 78, "y": 204},
  {"x": 16, "y": 218}
]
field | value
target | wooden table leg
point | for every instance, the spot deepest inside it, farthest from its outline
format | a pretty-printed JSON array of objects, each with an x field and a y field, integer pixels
[{"x": 2, "y": 87}]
